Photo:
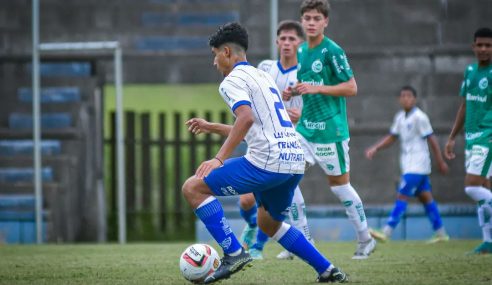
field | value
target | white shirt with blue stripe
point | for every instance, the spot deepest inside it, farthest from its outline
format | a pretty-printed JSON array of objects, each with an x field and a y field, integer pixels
[
  {"x": 284, "y": 78},
  {"x": 413, "y": 129},
  {"x": 272, "y": 141}
]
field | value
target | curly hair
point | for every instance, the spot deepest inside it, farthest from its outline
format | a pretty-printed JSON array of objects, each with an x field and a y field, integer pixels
[
  {"x": 230, "y": 33},
  {"x": 322, "y": 6}
]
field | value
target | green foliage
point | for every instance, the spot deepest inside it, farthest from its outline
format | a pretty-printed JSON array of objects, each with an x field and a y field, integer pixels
[
  {"x": 156, "y": 99},
  {"x": 166, "y": 97},
  {"x": 393, "y": 263}
]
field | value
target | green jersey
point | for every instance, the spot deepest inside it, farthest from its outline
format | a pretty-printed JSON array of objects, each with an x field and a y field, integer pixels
[
  {"x": 477, "y": 91},
  {"x": 323, "y": 118}
]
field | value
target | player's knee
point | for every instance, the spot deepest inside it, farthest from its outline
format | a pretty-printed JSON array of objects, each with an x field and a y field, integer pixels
[
  {"x": 426, "y": 197},
  {"x": 190, "y": 187},
  {"x": 247, "y": 201},
  {"x": 269, "y": 226},
  {"x": 474, "y": 180}
]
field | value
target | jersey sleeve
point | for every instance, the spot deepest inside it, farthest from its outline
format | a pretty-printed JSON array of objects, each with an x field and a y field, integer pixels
[
  {"x": 339, "y": 64},
  {"x": 394, "y": 129},
  {"x": 235, "y": 93},
  {"x": 463, "y": 84},
  {"x": 424, "y": 126},
  {"x": 265, "y": 65}
]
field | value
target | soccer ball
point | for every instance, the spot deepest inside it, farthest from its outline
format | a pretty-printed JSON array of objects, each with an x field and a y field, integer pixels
[{"x": 198, "y": 261}]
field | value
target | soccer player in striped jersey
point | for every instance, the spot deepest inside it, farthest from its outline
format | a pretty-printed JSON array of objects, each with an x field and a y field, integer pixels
[
  {"x": 475, "y": 113},
  {"x": 271, "y": 169},
  {"x": 325, "y": 80},
  {"x": 412, "y": 126},
  {"x": 284, "y": 72}
]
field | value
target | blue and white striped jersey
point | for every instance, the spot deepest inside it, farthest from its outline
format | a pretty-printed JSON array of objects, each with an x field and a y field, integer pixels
[
  {"x": 284, "y": 78},
  {"x": 272, "y": 140},
  {"x": 413, "y": 129}
]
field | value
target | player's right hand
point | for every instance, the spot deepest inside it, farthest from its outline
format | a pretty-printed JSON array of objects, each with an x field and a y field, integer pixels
[
  {"x": 370, "y": 152},
  {"x": 287, "y": 93},
  {"x": 449, "y": 149},
  {"x": 198, "y": 126},
  {"x": 206, "y": 167}
]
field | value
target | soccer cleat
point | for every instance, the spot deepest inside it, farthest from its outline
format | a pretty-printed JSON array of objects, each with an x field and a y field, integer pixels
[
  {"x": 335, "y": 275},
  {"x": 378, "y": 235},
  {"x": 229, "y": 265},
  {"x": 256, "y": 254},
  {"x": 483, "y": 248},
  {"x": 438, "y": 238},
  {"x": 364, "y": 249},
  {"x": 286, "y": 255},
  {"x": 248, "y": 235}
]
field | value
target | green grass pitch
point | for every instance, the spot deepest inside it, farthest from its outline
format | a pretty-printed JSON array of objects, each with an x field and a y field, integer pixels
[{"x": 393, "y": 263}]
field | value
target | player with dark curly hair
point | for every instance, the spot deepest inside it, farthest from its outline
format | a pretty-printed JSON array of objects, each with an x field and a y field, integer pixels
[{"x": 271, "y": 169}]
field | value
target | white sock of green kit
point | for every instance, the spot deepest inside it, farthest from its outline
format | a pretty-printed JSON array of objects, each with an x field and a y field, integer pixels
[{"x": 354, "y": 209}]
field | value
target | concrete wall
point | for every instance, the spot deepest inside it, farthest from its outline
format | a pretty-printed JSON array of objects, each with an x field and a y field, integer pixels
[
  {"x": 329, "y": 222},
  {"x": 390, "y": 43}
]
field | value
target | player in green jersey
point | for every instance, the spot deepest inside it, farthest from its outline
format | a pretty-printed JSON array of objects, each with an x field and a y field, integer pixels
[
  {"x": 475, "y": 113},
  {"x": 325, "y": 79}
]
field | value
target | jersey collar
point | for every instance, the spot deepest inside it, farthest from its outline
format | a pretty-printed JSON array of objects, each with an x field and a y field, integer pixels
[
  {"x": 413, "y": 110},
  {"x": 284, "y": 71},
  {"x": 241, "y": 63}
]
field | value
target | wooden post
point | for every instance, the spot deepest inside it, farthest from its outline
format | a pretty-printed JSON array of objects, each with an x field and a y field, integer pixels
[
  {"x": 146, "y": 162},
  {"x": 192, "y": 168},
  {"x": 178, "y": 208},
  {"x": 112, "y": 126},
  {"x": 162, "y": 171},
  {"x": 130, "y": 169},
  {"x": 208, "y": 138}
]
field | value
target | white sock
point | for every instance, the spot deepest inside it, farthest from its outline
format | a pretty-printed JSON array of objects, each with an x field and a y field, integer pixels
[
  {"x": 478, "y": 193},
  {"x": 485, "y": 222},
  {"x": 441, "y": 231},
  {"x": 236, "y": 253},
  {"x": 354, "y": 209},
  {"x": 281, "y": 231},
  {"x": 206, "y": 201},
  {"x": 328, "y": 271},
  {"x": 387, "y": 230},
  {"x": 297, "y": 214},
  {"x": 487, "y": 232}
]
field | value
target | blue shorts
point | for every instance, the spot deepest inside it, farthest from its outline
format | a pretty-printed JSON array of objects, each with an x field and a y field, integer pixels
[
  {"x": 414, "y": 184},
  {"x": 273, "y": 191}
]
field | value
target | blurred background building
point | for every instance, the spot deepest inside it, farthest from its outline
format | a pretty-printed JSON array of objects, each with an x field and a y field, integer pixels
[{"x": 423, "y": 43}]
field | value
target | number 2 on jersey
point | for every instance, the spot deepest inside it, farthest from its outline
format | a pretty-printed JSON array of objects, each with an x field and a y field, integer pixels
[{"x": 280, "y": 110}]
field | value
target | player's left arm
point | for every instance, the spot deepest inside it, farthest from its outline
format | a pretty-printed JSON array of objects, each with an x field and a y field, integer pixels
[
  {"x": 344, "y": 89},
  {"x": 244, "y": 121},
  {"x": 199, "y": 125},
  {"x": 434, "y": 145}
]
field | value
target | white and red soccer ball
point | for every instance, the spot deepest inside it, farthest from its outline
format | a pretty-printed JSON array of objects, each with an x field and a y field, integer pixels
[{"x": 198, "y": 261}]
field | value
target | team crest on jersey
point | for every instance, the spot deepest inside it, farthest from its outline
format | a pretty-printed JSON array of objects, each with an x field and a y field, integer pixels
[
  {"x": 317, "y": 66},
  {"x": 483, "y": 83}
]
